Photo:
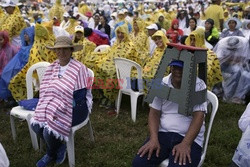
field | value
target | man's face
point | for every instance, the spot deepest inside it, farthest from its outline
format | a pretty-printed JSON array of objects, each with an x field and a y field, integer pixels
[
  {"x": 9, "y": 9},
  {"x": 79, "y": 35},
  {"x": 151, "y": 32},
  {"x": 208, "y": 26},
  {"x": 176, "y": 74},
  {"x": 231, "y": 24}
]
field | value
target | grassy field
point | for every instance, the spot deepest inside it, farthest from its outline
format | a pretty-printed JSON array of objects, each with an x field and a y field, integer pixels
[{"x": 118, "y": 139}]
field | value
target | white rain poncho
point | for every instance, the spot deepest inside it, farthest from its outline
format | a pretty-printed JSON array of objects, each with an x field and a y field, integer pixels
[{"x": 233, "y": 54}]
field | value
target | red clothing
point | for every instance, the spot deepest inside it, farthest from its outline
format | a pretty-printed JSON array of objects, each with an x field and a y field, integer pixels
[
  {"x": 97, "y": 39},
  {"x": 174, "y": 34}
]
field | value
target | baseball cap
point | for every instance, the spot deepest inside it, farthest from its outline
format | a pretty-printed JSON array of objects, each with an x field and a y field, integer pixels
[
  {"x": 79, "y": 28},
  {"x": 152, "y": 26},
  {"x": 178, "y": 63},
  {"x": 66, "y": 14}
]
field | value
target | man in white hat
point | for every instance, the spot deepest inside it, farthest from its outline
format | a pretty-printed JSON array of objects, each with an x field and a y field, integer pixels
[
  {"x": 151, "y": 30},
  {"x": 65, "y": 23}
]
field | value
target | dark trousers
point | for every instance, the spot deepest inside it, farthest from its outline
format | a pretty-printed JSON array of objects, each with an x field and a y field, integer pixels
[
  {"x": 52, "y": 143},
  {"x": 167, "y": 141}
]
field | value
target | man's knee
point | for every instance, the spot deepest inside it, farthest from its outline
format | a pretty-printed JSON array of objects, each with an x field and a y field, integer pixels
[{"x": 139, "y": 161}]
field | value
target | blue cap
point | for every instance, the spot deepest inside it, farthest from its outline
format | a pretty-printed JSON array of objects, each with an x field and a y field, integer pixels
[{"x": 178, "y": 63}]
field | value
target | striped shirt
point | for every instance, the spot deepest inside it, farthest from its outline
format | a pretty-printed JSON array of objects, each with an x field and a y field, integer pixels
[{"x": 54, "y": 109}]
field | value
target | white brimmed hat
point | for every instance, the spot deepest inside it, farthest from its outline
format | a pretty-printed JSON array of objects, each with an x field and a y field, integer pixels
[{"x": 64, "y": 42}]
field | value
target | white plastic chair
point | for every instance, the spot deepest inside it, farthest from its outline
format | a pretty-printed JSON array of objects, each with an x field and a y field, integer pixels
[
  {"x": 70, "y": 143},
  {"x": 22, "y": 113},
  {"x": 212, "y": 98},
  {"x": 101, "y": 48},
  {"x": 123, "y": 71}
]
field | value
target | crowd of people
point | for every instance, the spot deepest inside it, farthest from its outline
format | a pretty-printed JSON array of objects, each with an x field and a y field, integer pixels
[{"x": 138, "y": 31}]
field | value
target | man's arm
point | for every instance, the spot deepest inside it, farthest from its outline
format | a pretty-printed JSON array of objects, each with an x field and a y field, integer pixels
[
  {"x": 153, "y": 143},
  {"x": 182, "y": 151}
]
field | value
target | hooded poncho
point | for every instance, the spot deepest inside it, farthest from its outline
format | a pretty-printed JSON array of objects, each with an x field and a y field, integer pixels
[
  {"x": 17, "y": 62},
  {"x": 38, "y": 53},
  {"x": 213, "y": 65}
]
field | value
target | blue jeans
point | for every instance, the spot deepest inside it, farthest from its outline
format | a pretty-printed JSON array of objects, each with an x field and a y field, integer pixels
[
  {"x": 52, "y": 143},
  {"x": 167, "y": 141}
]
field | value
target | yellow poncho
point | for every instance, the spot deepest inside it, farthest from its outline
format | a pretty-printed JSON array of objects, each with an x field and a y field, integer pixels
[
  {"x": 141, "y": 41},
  {"x": 214, "y": 75},
  {"x": 57, "y": 10},
  {"x": 88, "y": 48},
  {"x": 38, "y": 53},
  {"x": 151, "y": 65},
  {"x": 105, "y": 68},
  {"x": 13, "y": 23},
  {"x": 72, "y": 24},
  {"x": 84, "y": 8}
]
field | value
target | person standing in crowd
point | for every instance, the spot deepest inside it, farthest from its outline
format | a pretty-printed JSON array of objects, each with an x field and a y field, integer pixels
[
  {"x": 172, "y": 135},
  {"x": 232, "y": 28},
  {"x": 104, "y": 27},
  {"x": 211, "y": 33},
  {"x": 215, "y": 12},
  {"x": 63, "y": 92}
]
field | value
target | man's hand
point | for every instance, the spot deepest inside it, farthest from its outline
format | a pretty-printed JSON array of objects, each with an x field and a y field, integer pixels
[
  {"x": 149, "y": 147},
  {"x": 182, "y": 152}
]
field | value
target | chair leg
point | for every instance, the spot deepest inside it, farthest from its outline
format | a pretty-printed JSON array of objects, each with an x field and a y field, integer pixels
[
  {"x": 71, "y": 150},
  {"x": 133, "y": 99},
  {"x": 91, "y": 134},
  {"x": 119, "y": 99},
  {"x": 13, "y": 129},
  {"x": 32, "y": 134}
]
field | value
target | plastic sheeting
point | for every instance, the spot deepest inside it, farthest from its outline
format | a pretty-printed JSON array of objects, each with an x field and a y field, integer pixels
[{"x": 233, "y": 54}]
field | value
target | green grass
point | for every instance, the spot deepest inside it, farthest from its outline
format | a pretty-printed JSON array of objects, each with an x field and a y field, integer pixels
[{"x": 118, "y": 139}]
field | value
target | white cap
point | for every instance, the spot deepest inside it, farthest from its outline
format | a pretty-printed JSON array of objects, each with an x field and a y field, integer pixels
[
  {"x": 120, "y": 12},
  {"x": 8, "y": 3},
  {"x": 66, "y": 14},
  {"x": 79, "y": 28},
  {"x": 152, "y": 26}
]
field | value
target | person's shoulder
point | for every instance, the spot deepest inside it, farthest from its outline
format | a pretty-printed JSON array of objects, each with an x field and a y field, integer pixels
[{"x": 200, "y": 84}]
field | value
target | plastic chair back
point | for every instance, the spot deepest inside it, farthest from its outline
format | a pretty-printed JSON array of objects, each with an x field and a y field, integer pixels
[
  {"x": 40, "y": 68},
  {"x": 212, "y": 98},
  {"x": 123, "y": 71},
  {"x": 101, "y": 48}
]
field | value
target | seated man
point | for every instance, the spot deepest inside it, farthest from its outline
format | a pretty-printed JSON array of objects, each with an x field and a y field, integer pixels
[{"x": 172, "y": 135}]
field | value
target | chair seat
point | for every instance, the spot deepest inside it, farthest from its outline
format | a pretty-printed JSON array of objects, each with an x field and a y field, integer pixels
[{"x": 20, "y": 112}]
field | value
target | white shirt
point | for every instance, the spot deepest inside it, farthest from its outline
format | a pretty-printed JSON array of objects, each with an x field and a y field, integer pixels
[
  {"x": 171, "y": 120},
  {"x": 182, "y": 23},
  {"x": 152, "y": 46}
]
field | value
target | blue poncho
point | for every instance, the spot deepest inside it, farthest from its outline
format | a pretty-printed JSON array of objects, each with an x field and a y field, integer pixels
[{"x": 16, "y": 63}]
